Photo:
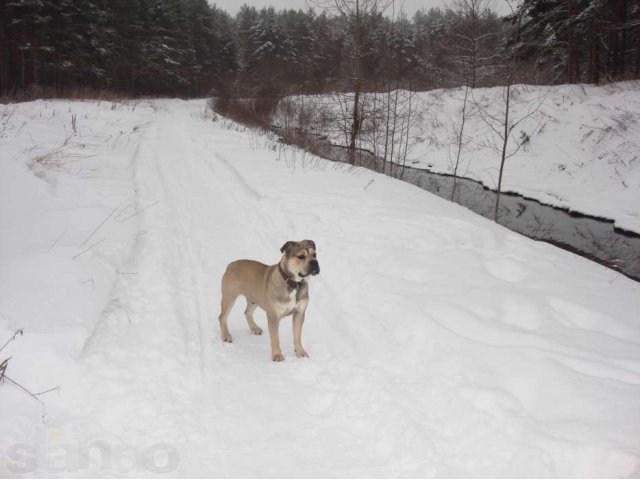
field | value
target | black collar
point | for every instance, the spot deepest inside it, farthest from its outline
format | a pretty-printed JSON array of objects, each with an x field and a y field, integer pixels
[{"x": 291, "y": 283}]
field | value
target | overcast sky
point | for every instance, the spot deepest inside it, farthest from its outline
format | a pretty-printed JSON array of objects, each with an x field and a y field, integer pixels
[{"x": 411, "y": 6}]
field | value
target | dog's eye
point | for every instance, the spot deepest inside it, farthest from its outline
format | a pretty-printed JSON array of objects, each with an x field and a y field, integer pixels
[{"x": 301, "y": 257}]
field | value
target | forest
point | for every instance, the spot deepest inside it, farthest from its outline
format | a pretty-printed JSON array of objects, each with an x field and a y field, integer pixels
[{"x": 191, "y": 48}]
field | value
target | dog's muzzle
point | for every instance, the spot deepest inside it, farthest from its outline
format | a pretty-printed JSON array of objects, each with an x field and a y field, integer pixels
[{"x": 314, "y": 267}]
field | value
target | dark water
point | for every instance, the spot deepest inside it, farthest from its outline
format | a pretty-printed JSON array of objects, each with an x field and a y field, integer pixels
[{"x": 593, "y": 238}]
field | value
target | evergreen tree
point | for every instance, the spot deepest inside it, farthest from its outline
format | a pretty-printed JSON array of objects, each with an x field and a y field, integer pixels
[
  {"x": 189, "y": 48},
  {"x": 581, "y": 39}
]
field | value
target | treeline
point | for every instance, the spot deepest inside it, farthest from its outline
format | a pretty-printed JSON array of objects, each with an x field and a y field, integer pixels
[
  {"x": 190, "y": 48},
  {"x": 582, "y": 40},
  {"x": 172, "y": 47}
]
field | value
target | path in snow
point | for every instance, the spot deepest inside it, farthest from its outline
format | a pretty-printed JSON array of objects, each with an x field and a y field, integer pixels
[
  {"x": 440, "y": 343},
  {"x": 222, "y": 405}
]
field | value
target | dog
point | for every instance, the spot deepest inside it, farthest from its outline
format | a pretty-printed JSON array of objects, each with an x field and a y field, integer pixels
[{"x": 280, "y": 290}]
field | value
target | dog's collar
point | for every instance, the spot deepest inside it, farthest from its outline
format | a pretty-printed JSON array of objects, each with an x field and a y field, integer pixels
[{"x": 291, "y": 283}]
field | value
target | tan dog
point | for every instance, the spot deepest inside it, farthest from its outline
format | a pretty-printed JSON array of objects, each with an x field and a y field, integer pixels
[{"x": 279, "y": 289}]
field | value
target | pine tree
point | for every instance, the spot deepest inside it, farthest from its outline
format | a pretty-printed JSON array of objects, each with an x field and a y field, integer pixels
[{"x": 581, "y": 39}]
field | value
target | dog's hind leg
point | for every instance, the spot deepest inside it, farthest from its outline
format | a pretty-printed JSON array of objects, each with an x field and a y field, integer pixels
[
  {"x": 248, "y": 313},
  {"x": 226, "y": 305}
]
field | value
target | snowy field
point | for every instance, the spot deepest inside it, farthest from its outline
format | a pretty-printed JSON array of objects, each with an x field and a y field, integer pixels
[
  {"x": 440, "y": 343},
  {"x": 582, "y": 151}
]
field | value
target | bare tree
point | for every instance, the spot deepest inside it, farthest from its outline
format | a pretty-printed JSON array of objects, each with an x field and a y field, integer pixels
[
  {"x": 397, "y": 104},
  {"x": 405, "y": 138},
  {"x": 471, "y": 34},
  {"x": 471, "y": 58},
  {"x": 356, "y": 13},
  {"x": 503, "y": 124},
  {"x": 459, "y": 131}
]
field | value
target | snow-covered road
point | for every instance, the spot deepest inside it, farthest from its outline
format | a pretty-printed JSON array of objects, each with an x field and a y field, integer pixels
[{"x": 441, "y": 344}]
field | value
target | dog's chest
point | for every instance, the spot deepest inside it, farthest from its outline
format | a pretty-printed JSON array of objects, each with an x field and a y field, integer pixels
[{"x": 288, "y": 304}]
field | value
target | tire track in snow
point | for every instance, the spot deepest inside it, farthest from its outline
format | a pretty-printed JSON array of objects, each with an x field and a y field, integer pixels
[
  {"x": 175, "y": 145},
  {"x": 265, "y": 220},
  {"x": 239, "y": 179},
  {"x": 246, "y": 198},
  {"x": 191, "y": 185},
  {"x": 360, "y": 363},
  {"x": 153, "y": 347}
]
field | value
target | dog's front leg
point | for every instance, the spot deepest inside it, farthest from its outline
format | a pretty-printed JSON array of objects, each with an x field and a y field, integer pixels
[
  {"x": 298, "y": 320},
  {"x": 274, "y": 324}
]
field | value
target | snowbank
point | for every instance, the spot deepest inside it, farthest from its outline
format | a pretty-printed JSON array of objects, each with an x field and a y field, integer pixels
[
  {"x": 581, "y": 151},
  {"x": 67, "y": 222}
]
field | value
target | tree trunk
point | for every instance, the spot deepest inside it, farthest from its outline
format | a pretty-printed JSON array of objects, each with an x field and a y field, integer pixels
[
  {"x": 355, "y": 126},
  {"x": 460, "y": 136},
  {"x": 594, "y": 50},
  {"x": 505, "y": 140},
  {"x": 637, "y": 71},
  {"x": 4, "y": 49},
  {"x": 355, "y": 123},
  {"x": 474, "y": 52},
  {"x": 617, "y": 37},
  {"x": 35, "y": 63},
  {"x": 637, "y": 36},
  {"x": 572, "y": 55}
]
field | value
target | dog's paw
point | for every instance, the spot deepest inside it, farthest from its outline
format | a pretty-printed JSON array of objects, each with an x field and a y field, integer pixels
[
  {"x": 227, "y": 338},
  {"x": 301, "y": 353},
  {"x": 277, "y": 357},
  {"x": 256, "y": 330}
]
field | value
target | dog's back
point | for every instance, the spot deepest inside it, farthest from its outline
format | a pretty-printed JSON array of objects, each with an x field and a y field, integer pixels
[{"x": 243, "y": 276}]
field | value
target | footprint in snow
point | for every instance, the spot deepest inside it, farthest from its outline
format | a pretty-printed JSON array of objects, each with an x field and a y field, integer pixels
[{"x": 506, "y": 269}]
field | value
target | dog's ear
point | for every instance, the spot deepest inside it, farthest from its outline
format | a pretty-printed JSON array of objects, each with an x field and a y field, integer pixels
[
  {"x": 311, "y": 243},
  {"x": 285, "y": 248}
]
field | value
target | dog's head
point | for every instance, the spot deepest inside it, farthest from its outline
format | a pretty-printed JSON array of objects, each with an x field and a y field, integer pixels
[{"x": 300, "y": 259}]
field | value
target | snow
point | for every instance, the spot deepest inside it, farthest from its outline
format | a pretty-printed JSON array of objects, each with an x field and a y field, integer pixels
[
  {"x": 582, "y": 154},
  {"x": 440, "y": 343}
]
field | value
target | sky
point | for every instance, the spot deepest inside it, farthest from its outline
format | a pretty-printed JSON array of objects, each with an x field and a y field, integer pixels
[{"x": 411, "y": 6}]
